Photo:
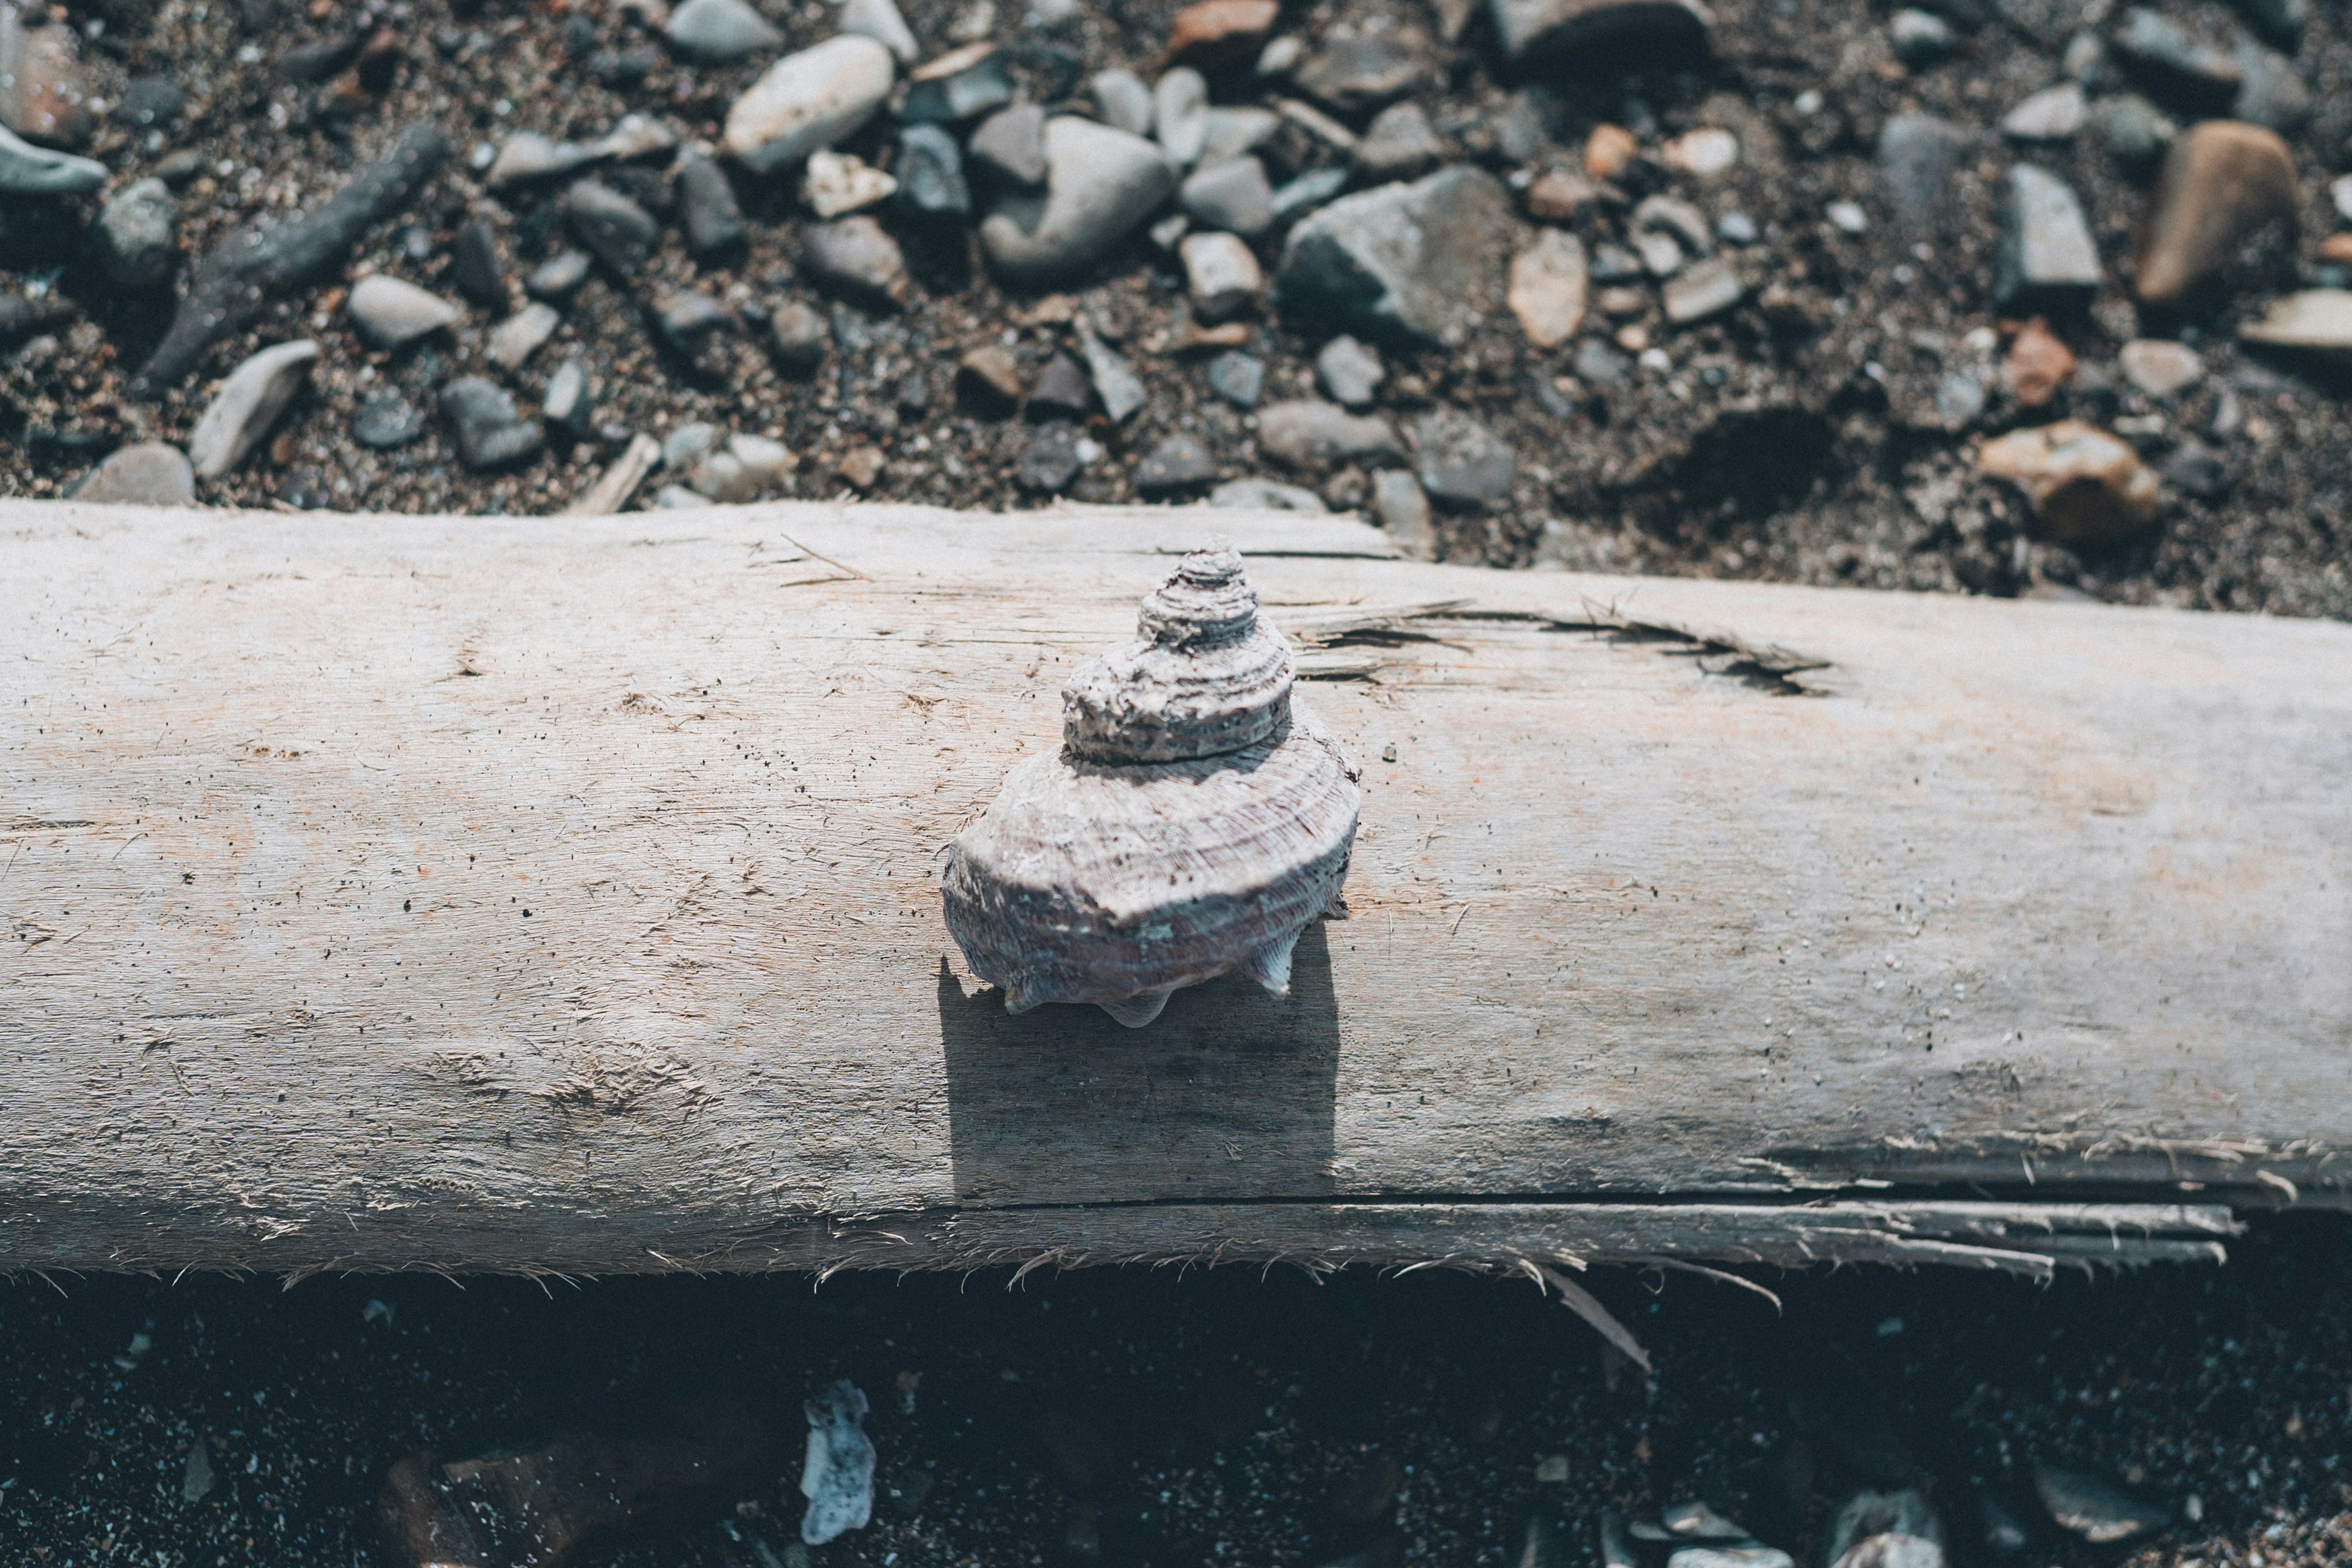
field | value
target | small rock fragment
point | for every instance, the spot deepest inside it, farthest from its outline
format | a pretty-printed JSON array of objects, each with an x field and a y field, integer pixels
[
  {"x": 1357, "y": 74},
  {"x": 1424, "y": 260},
  {"x": 808, "y": 100},
  {"x": 1180, "y": 114},
  {"x": 718, "y": 31},
  {"x": 387, "y": 313},
  {"x": 861, "y": 465},
  {"x": 1749, "y": 1556},
  {"x": 1920, "y": 37},
  {"x": 247, "y": 404},
  {"x": 2046, "y": 249},
  {"x": 1703, "y": 154},
  {"x": 706, "y": 199},
  {"x": 1237, "y": 377},
  {"x": 2159, "y": 367},
  {"x": 1100, "y": 186},
  {"x": 2316, "y": 320},
  {"x": 1916, "y": 155},
  {"x": 960, "y": 85},
  {"x": 137, "y": 239},
  {"x": 490, "y": 432},
  {"x": 385, "y": 421},
  {"x": 570, "y": 404},
  {"x": 529, "y": 157},
  {"x": 557, "y": 277},
  {"x": 1222, "y": 275},
  {"x": 742, "y": 470},
  {"x": 857, "y": 257},
  {"x": 2054, "y": 114},
  {"x": 145, "y": 473},
  {"x": 800, "y": 335},
  {"x": 686, "y": 319},
  {"x": 196, "y": 1475},
  {"x": 1549, "y": 282},
  {"x": 1399, "y": 144},
  {"x": 1607, "y": 149},
  {"x": 1460, "y": 462},
  {"x": 930, "y": 173},
  {"x": 2086, "y": 485},
  {"x": 1233, "y": 132},
  {"x": 474, "y": 265},
  {"x": 839, "y": 183},
  {"x": 1063, "y": 388},
  {"x": 1886, "y": 1530},
  {"x": 1123, "y": 100},
  {"x": 2174, "y": 66},
  {"x": 2087, "y": 1506},
  {"x": 990, "y": 378},
  {"x": 2037, "y": 366},
  {"x": 2223, "y": 182},
  {"x": 1011, "y": 143},
  {"x": 1052, "y": 460},
  {"x": 619, "y": 232},
  {"x": 1311, "y": 435},
  {"x": 880, "y": 21},
  {"x": 29, "y": 170},
  {"x": 1403, "y": 511},
  {"x": 2134, "y": 132},
  {"x": 1177, "y": 463},
  {"x": 1235, "y": 197},
  {"x": 1702, "y": 289},
  {"x": 1350, "y": 373},
  {"x": 1118, "y": 386},
  {"x": 2270, "y": 92},
  {"x": 1308, "y": 192},
  {"x": 1558, "y": 197}
]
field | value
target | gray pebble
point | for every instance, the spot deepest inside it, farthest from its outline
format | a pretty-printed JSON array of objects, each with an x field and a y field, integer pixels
[
  {"x": 1534, "y": 33},
  {"x": 1403, "y": 511},
  {"x": 145, "y": 473},
  {"x": 2170, "y": 62},
  {"x": 800, "y": 335},
  {"x": 1180, "y": 113},
  {"x": 512, "y": 341},
  {"x": 489, "y": 431},
  {"x": 1221, "y": 274},
  {"x": 1399, "y": 144},
  {"x": 1234, "y": 195},
  {"x": 958, "y": 86},
  {"x": 1359, "y": 74},
  {"x": 619, "y": 232},
  {"x": 1237, "y": 377},
  {"x": 1312, "y": 435},
  {"x": 1267, "y": 494},
  {"x": 686, "y": 319},
  {"x": 880, "y": 21},
  {"x": 1233, "y": 132},
  {"x": 385, "y": 421},
  {"x": 2134, "y": 132},
  {"x": 717, "y": 31},
  {"x": 474, "y": 265},
  {"x": 1350, "y": 371},
  {"x": 2054, "y": 114},
  {"x": 559, "y": 275},
  {"x": 1738, "y": 228},
  {"x": 855, "y": 256},
  {"x": 388, "y": 312},
  {"x": 705, "y": 197},
  {"x": 1011, "y": 143},
  {"x": 930, "y": 173},
  {"x": 29, "y": 170},
  {"x": 808, "y": 100},
  {"x": 247, "y": 404},
  {"x": 1920, "y": 37},
  {"x": 137, "y": 242},
  {"x": 1101, "y": 184},
  {"x": 1460, "y": 462},
  {"x": 2094, "y": 1508},
  {"x": 1177, "y": 463},
  {"x": 1425, "y": 260},
  {"x": 570, "y": 404},
  {"x": 1916, "y": 155},
  {"x": 1123, "y": 100},
  {"x": 2047, "y": 248},
  {"x": 1118, "y": 386},
  {"x": 1315, "y": 188},
  {"x": 1062, "y": 387},
  {"x": 686, "y": 444},
  {"x": 1704, "y": 289},
  {"x": 1600, "y": 364},
  {"x": 2271, "y": 93},
  {"x": 1052, "y": 460},
  {"x": 528, "y": 156}
]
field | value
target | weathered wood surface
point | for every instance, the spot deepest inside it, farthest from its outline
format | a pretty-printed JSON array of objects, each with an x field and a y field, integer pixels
[{"x": 517, "y": 893}]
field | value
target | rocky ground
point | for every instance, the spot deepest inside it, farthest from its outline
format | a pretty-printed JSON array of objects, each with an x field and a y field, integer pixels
[
  {"x": 2182, "y": 1417},
  {"x": 1957, "y": 297}
]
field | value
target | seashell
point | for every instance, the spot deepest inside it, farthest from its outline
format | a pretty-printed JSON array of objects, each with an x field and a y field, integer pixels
[{"x": 1196, "y": 819}]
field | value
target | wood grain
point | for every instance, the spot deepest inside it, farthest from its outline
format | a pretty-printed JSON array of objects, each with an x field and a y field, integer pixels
[{"x": 515, "y": 893}]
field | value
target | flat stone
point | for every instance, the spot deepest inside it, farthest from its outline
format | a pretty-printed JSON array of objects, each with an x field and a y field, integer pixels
[
  {"x": 1311, "y": 434},
  {"x": 489, "y": 431},
  {"x": 1052, "y": 460},
  {"x": 1703, "y": 154},
  {"x": 145, "y": 473},
  {"x": 1180, "y": 114},
  {"x": 2054, "y": 114},
  {"x": 2161, "y": 368},
  {"x": 1916, "y": 155},
  {"x": 1402, "y": 509},
  {"x": 857, "y": 257},
  {"x": 634, "y": 136},
  {"x": 1350, "y": 373},
  {"x": 529, "y": 157},
  {"x": 387, "y": 313},
  {"x": 619, "y": 232},
  {"x": 137, "y": 232},
  {"x": 1011, "y": 145},
  {"x": 990, "y": 378},
  {"x": 1235, "y": 197},
  {"x": 557, "y": 277},
  {"x": 960, "y": 85},
  {"x": 713, "y": 220},
  {"x": 2086, "y": 485},
  {"x": 1266, "y": 494},
  {"x": 44, "y": 96},
  {"x": 800, "y": 336},
  {"x": 1558, "y": 196},
  {"x": 1101, "y": 184},
  {"x": 29, "y": 170},
  {"x": 1549, "y": 285},
  {"x": 1237, "y": 132},
  {"x": 1223, "y": 277},
  {"x": 512, "y": 341},
  {"x": 2315, "y": 319},
  {"x": 2047, "y": 248},
  {"x": 1423, "y": 261},
  {"x": 2222, "y": 183},
  {"x": 1460, "y": 461},
  {"x": 1661, "y": 256},
  {"x": 1177, "y": 463},
  {"x": 570, "y": 404},
  {"x": 1543, "y": 32},
  {"x": 1064, "y": 387},
  {"x": 2174, "y": 66},
  {"x": 385, "y": 421},
  {"x": 1356, "y": 75},
  {"x": 1920, "y": 37},
  {"x": 1221, "y": 31},
  {"x": 1704, "y": 289},
  {"x": 808, "y": 100},
  {"x": 1123, "y": 100},
  {"x": 1237, "y": 377},
  {"x": 930, "y": 173},
  {"x": 880, "y": 21},
  {"x": 836, "y": 184},
  {"x": 247, "y": 404},
  {"x": 2134, "y": 132},
  {"x": 1120, "y": 391},
  {"x": 1399, "y": 144},
  {"x": 714, "y": 32}
]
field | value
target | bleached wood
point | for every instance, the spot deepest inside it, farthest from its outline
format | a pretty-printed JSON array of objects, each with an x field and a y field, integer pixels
[{"x": 1668, "y": 891}]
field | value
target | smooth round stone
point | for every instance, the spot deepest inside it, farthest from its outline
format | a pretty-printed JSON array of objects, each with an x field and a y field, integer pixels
[
  {"x": 1101, "y": 184},
  {"x": 1312, "y": 435},
  {"x": 559, "y": 275},
  {"x": 1180, "y": 110},
  {"x": 2054, "y": 114},
  {"x": 388, "y": 312},
  {"x": 1123, "y": 100},
  {"x": 385, "y": 421},
  {"x": 1463, "y": 463},
  {"x": 147, "y": 473},
  {"x": 1235, "y": 197},
  {"x": 1350, "y": 371},
  {"x": 1223, "y": 275},
  {"x": 136, "y": 237},
  {"x": 1919, "y": 37},
  {"x": 247, "y": 404},
  {"x": 1012, "y": 142},
  {"x": 880, "y": 21},
  {"x": 808, "y": 100},
  {"x": 717, "y": 31},
  {"x": 490, "y": 432},
  {"x": 1237, "y": 377}
]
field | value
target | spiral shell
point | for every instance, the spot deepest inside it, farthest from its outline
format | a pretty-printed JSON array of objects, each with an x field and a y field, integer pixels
[{"x": 1195, "y": 820}]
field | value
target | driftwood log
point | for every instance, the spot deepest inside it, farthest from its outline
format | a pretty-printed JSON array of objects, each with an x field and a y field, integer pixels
[{"x": 524, "y": 894}]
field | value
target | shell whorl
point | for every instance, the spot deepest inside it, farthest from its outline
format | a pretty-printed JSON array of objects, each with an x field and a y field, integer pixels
[{"x": 1204, "y": 678}]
